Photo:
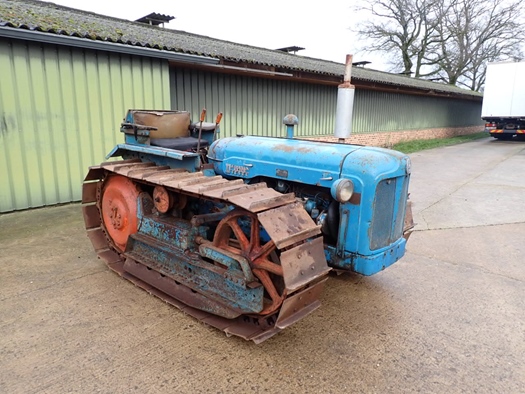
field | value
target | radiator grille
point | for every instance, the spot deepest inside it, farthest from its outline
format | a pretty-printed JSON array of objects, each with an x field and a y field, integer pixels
[{"x": 388, "y": 212}]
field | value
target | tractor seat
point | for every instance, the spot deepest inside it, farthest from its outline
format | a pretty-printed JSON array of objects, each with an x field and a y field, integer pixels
[
  {"x": 180, "y": 143},
  {"x": 168, "y": 124},
  {"x": 173, "y": 129}
]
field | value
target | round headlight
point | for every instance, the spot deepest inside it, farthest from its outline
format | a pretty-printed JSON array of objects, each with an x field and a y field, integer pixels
[
  {"x": 409, "y": 166},
  {"x": 342, "y": 190}
]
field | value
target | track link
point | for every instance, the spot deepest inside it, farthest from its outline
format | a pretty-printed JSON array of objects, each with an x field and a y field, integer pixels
[{"x": 294, "y": 233}]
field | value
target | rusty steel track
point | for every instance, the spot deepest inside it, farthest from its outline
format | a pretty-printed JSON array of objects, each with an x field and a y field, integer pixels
[{"x": 303, "y": 265}]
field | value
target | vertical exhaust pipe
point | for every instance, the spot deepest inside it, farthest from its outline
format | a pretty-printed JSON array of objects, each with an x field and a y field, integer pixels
[{"x": 345, "y": 104}]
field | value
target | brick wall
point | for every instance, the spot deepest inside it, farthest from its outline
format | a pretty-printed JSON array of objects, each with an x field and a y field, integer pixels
[{"x": 387, "y": 139}]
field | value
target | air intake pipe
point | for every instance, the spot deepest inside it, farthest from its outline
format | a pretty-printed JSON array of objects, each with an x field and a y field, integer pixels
[{"x": 345, "y": 104}]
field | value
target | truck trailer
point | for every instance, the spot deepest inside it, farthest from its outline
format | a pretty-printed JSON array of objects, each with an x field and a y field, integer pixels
[{"x": 503, "y": 107}]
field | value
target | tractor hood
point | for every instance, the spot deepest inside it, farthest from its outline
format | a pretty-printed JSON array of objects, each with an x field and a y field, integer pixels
[{"x": 304, "y": 161}]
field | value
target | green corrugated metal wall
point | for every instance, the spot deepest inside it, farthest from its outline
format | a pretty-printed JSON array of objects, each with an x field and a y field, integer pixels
[
  {"x": 384, "y": 111},
  {"x": 257, "y": 106},
  {"x": 253, "y": 105},
  {"x": 60, "y": 110}
]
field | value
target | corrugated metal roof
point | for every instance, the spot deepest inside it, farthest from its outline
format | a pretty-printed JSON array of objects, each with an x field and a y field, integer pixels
[{"x": 55, "y": 19}]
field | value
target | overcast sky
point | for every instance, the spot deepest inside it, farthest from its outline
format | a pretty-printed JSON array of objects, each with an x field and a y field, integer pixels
[{"x": 322, "y": 29}]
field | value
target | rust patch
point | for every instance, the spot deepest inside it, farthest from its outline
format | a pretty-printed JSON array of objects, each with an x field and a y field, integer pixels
[
  {"x": 283, "y": 148},
  {"x": 355, "y": 199}
]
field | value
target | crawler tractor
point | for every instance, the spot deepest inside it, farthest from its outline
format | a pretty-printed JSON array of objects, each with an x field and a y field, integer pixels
[{"x": 241, "y": 232}]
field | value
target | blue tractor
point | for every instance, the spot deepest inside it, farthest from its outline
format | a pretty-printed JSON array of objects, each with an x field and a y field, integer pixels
[{"x": 242, "y": 232}]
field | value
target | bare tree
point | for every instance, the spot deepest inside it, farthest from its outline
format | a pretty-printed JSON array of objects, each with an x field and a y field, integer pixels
[
  {"x": 475, "y": 32},
  {"x": 450, "y": 40},
  {"x": 404, "y": 29}
]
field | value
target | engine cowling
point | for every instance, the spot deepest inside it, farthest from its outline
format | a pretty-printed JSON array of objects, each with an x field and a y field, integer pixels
[{"x": 370, "y": 225}]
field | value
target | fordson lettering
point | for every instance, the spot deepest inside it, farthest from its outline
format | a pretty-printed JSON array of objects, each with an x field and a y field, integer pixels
[{"x": 237, "y": 170}]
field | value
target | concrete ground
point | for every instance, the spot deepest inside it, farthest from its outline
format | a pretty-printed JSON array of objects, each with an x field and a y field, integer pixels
[{"x": 448, "y": 318}]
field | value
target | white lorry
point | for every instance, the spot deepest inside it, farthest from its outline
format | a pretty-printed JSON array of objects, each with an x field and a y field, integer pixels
[{"x": 503, "y": 107}]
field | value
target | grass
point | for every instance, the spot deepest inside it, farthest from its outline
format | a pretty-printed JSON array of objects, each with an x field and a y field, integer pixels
[{"x": 417, "y": 145}]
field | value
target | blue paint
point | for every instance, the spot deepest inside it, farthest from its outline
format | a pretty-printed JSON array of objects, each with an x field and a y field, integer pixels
[
  {"x": 167, "y": 245},
  {"x": 235, "y": 263},
  {"x": 198, "y": 275},
  {"x": 159, "y": 156},
  {"x": 153, "y": 150},
  {"x": 369, "y": 264},
  {"x": 278, "y": 158}
]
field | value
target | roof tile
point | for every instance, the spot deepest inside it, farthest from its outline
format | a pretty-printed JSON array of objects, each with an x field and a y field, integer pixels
[{"x": 55, "y": 19}]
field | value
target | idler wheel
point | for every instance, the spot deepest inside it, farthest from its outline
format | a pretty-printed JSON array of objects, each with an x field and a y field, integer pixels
[
  {"x": 231, "y": 237},
  {"x": 162, "y": 200},
  {"x": 119, "y": 209}
]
